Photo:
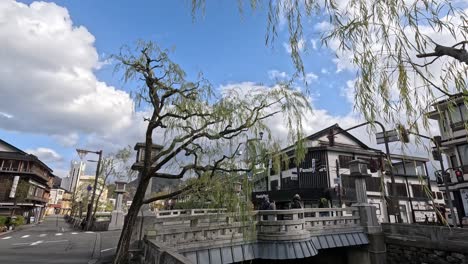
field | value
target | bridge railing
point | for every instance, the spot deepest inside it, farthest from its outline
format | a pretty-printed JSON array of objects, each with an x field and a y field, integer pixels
[
  {"x": 198, "y": 225},
  {"x": 295, "y": 223}
]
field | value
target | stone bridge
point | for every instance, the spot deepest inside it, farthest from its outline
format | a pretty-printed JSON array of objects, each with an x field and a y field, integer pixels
[{"x": 211, "y": 236}]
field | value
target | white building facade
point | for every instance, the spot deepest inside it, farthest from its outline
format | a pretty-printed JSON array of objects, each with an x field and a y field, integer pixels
[
  {"x": 324, "y": 173},
  {"x": 452, "y": 117},
  {"x": 70, "y": 182}
]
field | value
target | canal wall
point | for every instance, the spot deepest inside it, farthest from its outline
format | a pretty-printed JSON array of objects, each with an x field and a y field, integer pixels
[{"x": 409, "y": 243}]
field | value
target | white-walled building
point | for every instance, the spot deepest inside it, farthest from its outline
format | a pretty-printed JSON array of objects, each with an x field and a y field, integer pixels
[
  {"x": 70, "y": 182},
  {"x": 324, "y": 173},
  {"x": 452, "y": 117}
]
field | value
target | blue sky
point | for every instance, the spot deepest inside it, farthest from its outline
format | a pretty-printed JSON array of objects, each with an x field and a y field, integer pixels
[{"x": 227, "y": 47}]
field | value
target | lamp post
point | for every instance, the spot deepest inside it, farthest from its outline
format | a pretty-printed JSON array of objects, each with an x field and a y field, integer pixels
[
  {"x": 117, "y": 216},
  {"x": 367, "y": 212},
  {"x": 140, "y": 161},
  {"x": 82, "y": 153}
]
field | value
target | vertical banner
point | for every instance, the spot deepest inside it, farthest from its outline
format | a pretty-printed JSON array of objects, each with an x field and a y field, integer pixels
[
  {"x": 464, "y": 197},
  {"x": 14, "y": 186}
]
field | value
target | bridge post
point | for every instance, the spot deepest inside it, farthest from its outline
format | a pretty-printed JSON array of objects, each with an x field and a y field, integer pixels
[{"x": 376, "y": 251}]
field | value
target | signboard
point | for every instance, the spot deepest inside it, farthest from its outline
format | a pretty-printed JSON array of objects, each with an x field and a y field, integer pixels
[
  {"x": 392, "y": 136},
  {"x": 464, "y": 197},
  {"x": 313, "y": 165},
  {"x": 337, "y": 181},
  {"x": 14, "y": 186}
]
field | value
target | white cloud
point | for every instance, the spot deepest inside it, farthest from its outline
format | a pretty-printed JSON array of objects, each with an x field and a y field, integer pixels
[
  {"x": 348, "y": 91},
  {"x": 301, "y": 45},
  {"x": 45, "y": 154},
  {"x": 47, "y": 81},
  {"x": 277, "y": 75},
  {"x": 324, "y": 71},
  {"x": 5, "y": 115},
  {"x": 314, "y": 43},
  {"x": 323, "y": 26},
  {"x": 310, "y": 76}
]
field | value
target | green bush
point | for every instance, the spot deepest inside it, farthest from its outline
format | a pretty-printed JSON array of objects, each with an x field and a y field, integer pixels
[
  {"x": 3, "y": 220},
  {"x": 20, "y": 220}
]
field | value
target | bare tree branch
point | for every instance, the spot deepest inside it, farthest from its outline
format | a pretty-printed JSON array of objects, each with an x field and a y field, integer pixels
[
  {"x": 458, "y": 54},
  {"x": 169, "y": 195}
]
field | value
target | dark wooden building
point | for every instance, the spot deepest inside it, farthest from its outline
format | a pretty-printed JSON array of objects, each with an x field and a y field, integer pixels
[{"x": 25, "y": 183}]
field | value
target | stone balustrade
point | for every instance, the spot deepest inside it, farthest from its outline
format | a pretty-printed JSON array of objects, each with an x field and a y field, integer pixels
[{"x": 183, "y": 228}]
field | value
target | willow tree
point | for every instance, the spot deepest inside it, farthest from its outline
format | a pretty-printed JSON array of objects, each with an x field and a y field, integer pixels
[
  {"x": 406, "y": 54},
  {"x": 195, "y": 124}
]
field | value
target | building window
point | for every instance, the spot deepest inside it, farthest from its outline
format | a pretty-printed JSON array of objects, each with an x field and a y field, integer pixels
[
  {"x": 344, "y": 161},
  {"x": 463, "y": 152},
  {"x": 439, "y": 196},
  {"x": 418, "y": 191},
  {"x": 373, "y": 184},
  {"x": 400, "y": 189},
  {"x": 454, "y": 161},
  {"x": 458, "y": 115},
  {"x": 274, "y": 185}
]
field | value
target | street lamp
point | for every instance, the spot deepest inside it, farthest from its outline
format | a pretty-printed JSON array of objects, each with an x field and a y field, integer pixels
[
  {"x": 140, "y": 162},
  {"x": 358, "y": 170},
  {"x": 82, "y": 153}
]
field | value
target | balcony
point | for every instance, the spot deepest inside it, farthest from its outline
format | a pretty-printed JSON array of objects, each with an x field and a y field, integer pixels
[{"x": 37, "y": 198}]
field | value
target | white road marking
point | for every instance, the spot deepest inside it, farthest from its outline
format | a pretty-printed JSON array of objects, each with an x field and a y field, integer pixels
[
  {"x": 58, "y": 234},
  {"x": 6, "y": 238},
  {"x": 37, "y": 242},
  {"x": 74, "y": 233},
  {"x": 107, "y": 249},
  {"x": 89, "y": 232},
  {"x": 25, "y": 236},
  {"x": 55, "y": 241},
  {"x": 42, "y": 235}
]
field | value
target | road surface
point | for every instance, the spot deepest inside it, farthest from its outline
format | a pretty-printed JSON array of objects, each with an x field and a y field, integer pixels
[{"x": 53, "y": 241}]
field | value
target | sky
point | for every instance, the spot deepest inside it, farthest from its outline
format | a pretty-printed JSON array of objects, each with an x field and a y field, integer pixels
[{"x": 60, "y": 92}]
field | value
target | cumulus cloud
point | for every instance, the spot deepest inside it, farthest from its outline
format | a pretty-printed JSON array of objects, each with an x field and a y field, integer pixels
[
  {"x": 47, "y": 76},
  {"x": 309, "y": 77},
  {"x": 278, "y": 75},
  {"x": 45, "y": 154},
  {"x": 301, "y": 45}
]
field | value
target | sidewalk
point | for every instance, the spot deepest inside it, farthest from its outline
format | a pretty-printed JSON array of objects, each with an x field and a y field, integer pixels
[{"x": 19, "y": 228}]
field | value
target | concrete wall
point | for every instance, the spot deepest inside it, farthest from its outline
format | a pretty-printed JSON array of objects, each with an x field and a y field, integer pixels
[
  {"x": 157, "y": 254},
  {"x": 398, "y": 254},
  {"x": 425, "y": 244}
]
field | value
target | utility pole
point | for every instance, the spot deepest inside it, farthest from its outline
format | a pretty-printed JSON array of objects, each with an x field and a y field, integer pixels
[
  {"x": 394, "y": 204},
  {"x": 82, "y": 153},
  {"x": 436, "y": 140}
]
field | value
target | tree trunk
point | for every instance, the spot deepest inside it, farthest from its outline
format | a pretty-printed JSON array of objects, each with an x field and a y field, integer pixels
[{"x": 123, "y": 247}]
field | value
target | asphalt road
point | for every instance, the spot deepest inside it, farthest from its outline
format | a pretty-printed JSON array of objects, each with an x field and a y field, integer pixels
[{"x": 53, "y": 241}]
